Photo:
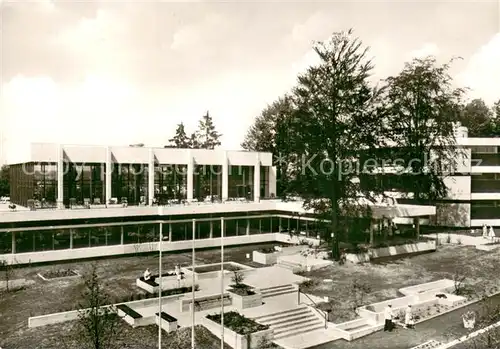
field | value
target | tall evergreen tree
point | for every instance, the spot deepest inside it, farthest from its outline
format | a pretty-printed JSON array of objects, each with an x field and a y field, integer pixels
[
  {"x": 206, "y": 135},
  {"x": 5, "y": 181},
  {"x": 423, "y": 105},
  {"x": 180, "y": 139},
  {"x": 337, "y": 117}
]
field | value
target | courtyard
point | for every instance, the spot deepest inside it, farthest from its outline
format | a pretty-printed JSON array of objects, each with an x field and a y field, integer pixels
[{"x": 119, "y": 275}]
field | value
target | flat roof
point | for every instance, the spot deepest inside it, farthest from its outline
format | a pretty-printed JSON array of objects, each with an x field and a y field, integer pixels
[
  {"x": 50, "y": 152},
  {"x": 295, "y": 207}
]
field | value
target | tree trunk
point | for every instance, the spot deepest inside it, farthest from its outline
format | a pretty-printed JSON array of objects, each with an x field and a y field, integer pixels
[{"x": 371, "y": 232}]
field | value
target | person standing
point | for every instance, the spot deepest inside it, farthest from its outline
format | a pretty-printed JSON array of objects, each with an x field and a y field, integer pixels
[
  {"x": 388, "y": 318},
  {"x": 409, "y": 322},
  {"x": 485, "y": 231}
]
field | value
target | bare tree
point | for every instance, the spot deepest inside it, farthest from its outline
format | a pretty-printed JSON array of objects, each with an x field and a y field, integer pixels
[
  {"x": 98, "y": 323},
  {"x": 358, "y": 292},
  {"x": 237, "y": 277},
  {"x": 8, "y": 270}
]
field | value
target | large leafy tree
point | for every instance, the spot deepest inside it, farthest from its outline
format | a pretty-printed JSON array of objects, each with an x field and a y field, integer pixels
[
  {"x": 337, "y": 117},
  {"x": 271, "y": 133},
  {"x": 477, "y": 117},
  {"x": 207, "y": 136},
  {"x": 4, "y": 181},
  {"x": 423, "y": 105}
]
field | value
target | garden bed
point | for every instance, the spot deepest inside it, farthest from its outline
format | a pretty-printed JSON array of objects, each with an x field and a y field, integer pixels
[
  {"x": 240, "y": 332},
  {"x": 238, "y": 323},
  {"x": 58, "y": 274}
]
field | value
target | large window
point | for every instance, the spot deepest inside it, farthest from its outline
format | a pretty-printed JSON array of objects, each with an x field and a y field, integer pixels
[
  {"x": 264, "y": 182},
  {"x": 5, "y": 242},
  {"x": 130, "y": 183},
  {"x": 170, "y": 183},
  {"x": 207, "y": 182},
  {"x": 84, "y": 183},
  {"x": 485, "y": 183},
  {"x": 45, "y": 185},
  {"x": 485, "y": 209},
  {"x": 241, "y": 182}
]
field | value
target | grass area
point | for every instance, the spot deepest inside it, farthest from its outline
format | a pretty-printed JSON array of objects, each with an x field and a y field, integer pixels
[
  {"x": 119, "y": 281},
  {"x": 384, "y": 279},
  {"x": 238, "y": 323}
]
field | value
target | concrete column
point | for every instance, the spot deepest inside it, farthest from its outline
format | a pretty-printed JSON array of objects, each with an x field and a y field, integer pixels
[
  {"x": 225, "y": 177},
  {"x": 121, "y": 235},
  {"x": 109, "y": 174},
  {"x": 190, "y": 173},
  {"x": 272, "y": 182},
  {"x": 71, "y": 238},
  {"x": 169, "y": 231},
  {"x": 271, "y": 224},
  {"x": 13, "y": 237},
  {"x": 248, "y": 226},
  {"x": 211, "y": 229},
  {"x": 279, "y": 224},
  {"x": 256, "y": 180},
  {"x": 151, "y": 177},
  {"x": 60, "y": 177}
]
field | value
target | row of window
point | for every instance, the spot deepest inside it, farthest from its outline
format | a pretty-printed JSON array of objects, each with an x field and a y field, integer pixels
[{"x": 59, "y": 239}]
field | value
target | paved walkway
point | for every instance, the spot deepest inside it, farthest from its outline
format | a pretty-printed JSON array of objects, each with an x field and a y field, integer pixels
[{"x": 443, "y": 328}]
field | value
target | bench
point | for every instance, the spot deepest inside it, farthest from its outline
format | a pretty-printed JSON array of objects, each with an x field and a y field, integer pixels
[
  {"x": 166, "y": 321},
  {"x": 205, "y": 302},
  {"x": 152, "y": 280}
]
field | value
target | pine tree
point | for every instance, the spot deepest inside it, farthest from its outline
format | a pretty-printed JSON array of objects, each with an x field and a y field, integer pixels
[
  {"x": 180, "y": 140},
  {"x": 207, "y": 136}
]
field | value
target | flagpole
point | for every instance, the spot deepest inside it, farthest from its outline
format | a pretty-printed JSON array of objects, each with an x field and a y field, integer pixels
[
  {"x": 222, "y": 281},
  {"x": 192, "y": 289},
  {"x": 160, "y": 283}
]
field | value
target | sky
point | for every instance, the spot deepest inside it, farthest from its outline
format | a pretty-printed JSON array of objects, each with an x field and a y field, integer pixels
[{"x": 115, "y": 72}]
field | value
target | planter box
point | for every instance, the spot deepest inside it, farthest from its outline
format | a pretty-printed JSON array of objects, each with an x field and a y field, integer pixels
[
  {"x": 166, "y": 322},
  {"x": 437, "y": 286},
  {"x": 152, "y": 285},
  {"x": 237, "y": 341},
  {"x": 132, "y": 317},
  {"x": 265, "y": 258},
  {"x": 244, "y": 302}
]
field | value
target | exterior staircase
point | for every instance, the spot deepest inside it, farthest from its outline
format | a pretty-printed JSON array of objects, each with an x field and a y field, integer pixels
[
  {"x": 292, "y": 322},
  {"x": 288, "y": 265},
  {"x": 278, "y": 290}
]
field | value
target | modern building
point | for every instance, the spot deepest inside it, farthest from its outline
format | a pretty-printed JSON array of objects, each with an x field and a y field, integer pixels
[{"x": 92, "y": 201}]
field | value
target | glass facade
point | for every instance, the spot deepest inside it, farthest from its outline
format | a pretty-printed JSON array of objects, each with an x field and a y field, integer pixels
[
  {"x": 84, "y": 184},
  {"x": 34, "y": 181},
  {"x": 207, "y": 182},
  {"x": 240, "y": 182},
  {"x": 170, "y": 183},
  {"x": 485, "y": 183},
  {"x": 49, "y": 239},
  {"x": 130, "y": 183}
]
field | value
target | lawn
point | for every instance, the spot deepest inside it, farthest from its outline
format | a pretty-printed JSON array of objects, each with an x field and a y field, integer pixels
[{"x": 119, "y": 278}]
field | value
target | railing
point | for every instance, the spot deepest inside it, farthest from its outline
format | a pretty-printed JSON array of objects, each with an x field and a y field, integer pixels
[{"x": 315, "y": 307}]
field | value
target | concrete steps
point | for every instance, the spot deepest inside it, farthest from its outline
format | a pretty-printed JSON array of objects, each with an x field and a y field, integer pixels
[
  {"x": 288, "y": 265},
  {"x": 292, "y": 322},
  {"x": 277, "y": 290}
]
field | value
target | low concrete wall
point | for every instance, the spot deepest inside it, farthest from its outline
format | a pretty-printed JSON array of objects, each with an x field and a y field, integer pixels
[
  {"x": 281, "y": 237},
  {"x": 390, "y": 251},
  {"x": 165, "y": 325},
  {"x": 237, "y": 341},
  {"x": 55, "y": 318},
  {"x": 142, "y": 321},
  {"x": 206, "y": 302},
  {"x": 487, "y": 247},
  {"x": 402, "y": 249}
]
